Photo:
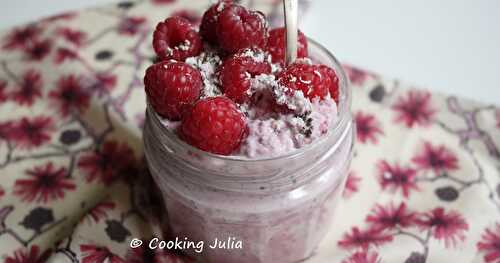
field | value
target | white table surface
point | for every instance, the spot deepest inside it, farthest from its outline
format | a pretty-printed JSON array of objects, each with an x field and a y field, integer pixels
[{"x": 448, "y": 46}]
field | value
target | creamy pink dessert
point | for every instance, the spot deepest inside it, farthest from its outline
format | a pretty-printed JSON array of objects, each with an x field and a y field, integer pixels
[{"x": 272, "y": 143}]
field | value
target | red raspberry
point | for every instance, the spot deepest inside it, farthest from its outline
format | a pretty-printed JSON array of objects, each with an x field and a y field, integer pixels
[
  {"x": 310, "y": 79},
  {"x": 209, "y": 21},
  {"x": 214, "y": 125},
  {"x": 176, "y": 39},
  {"x": 332, "y": 81},
  {"x": 171, "y": 86},
  {"x": 276, "y": 45},
  {"x": 237, "y": 71},
  {"x": 238, "y": 28}
]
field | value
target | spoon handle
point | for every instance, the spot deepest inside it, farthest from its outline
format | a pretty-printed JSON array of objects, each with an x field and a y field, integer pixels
[{"x": 291, "y": 10}]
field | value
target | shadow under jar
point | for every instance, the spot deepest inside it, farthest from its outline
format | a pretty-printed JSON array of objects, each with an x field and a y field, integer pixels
[{"x": 279, "y": 208}]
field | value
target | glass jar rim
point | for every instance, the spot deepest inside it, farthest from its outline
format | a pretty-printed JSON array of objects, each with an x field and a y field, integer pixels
[{"x": 343, "y": 121}]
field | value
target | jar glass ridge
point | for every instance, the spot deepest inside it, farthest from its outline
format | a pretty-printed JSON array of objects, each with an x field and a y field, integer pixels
[{"x": 277, "y": 206}]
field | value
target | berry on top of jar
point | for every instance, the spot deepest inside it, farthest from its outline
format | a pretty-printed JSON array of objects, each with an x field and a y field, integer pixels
[{"x": 225, "y": 89}]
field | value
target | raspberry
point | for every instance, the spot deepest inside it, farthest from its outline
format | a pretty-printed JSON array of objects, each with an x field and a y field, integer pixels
[
  {"x": 209, "y": 21},
  {"x": 332, "y": 81},
  {"x": 276, "y": 45},
  {"x": 238, "y": 28},
  {"x": 176, "y": 39},
  {"x": 237, "y": 71},
  {"x": 171, "y": 86},
  {"x": 214, "y": 125},
  {"x": 309, "y": 79}
]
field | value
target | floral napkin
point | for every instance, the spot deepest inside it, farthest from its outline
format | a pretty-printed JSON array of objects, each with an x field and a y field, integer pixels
[{"x": 424, "y": 184}]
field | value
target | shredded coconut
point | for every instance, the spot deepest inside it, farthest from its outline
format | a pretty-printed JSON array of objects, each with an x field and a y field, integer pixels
[
  {"x": 275, "y": 68},
  {"x": 169, "y": 52},
  {"x": 256, "y": 55},
  {"x": 294, "y": 100},
  {"x": 184, "y": 46},
  {"x": 207, "y": 63},
  {"x": 306, "y": 61}
]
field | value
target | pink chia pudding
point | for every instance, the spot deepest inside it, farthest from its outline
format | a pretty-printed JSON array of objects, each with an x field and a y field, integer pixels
[{"x": 251, "y": 155}]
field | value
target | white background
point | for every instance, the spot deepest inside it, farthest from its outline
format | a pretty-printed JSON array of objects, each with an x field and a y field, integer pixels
[{"x": 451, "y": 46}]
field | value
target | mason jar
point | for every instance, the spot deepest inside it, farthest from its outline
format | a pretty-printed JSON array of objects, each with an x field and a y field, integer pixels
[{"x": 277, "y": 209}]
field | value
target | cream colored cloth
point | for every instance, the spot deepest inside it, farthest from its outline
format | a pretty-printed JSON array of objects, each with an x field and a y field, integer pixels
[{"x": 424, "y": 184}]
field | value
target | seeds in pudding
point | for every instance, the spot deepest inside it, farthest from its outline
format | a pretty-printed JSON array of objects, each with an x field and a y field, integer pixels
[
  {"x": 209, "y": 21},
  {"x": 238, "y": 28},
  {"x": 238, "y": 70},
  {"x": 175, "y": 38},
  {"x": 276, "y": 45},
  {"x": 214, "y": 125},
  {"x": 171, "y": 87}
]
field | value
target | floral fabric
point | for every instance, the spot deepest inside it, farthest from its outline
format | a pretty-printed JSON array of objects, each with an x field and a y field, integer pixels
[{"x": 424, "y": 184}]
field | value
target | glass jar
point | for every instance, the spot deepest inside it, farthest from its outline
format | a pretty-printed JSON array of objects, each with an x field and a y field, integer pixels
[{"x": 279, "y": 208}]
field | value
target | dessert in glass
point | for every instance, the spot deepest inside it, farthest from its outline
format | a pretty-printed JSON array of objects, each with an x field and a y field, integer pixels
[{"x": 242, "y": 146}]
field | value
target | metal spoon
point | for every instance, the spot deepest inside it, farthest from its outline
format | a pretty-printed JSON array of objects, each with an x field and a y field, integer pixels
[{"x": 291, "y": 9}]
